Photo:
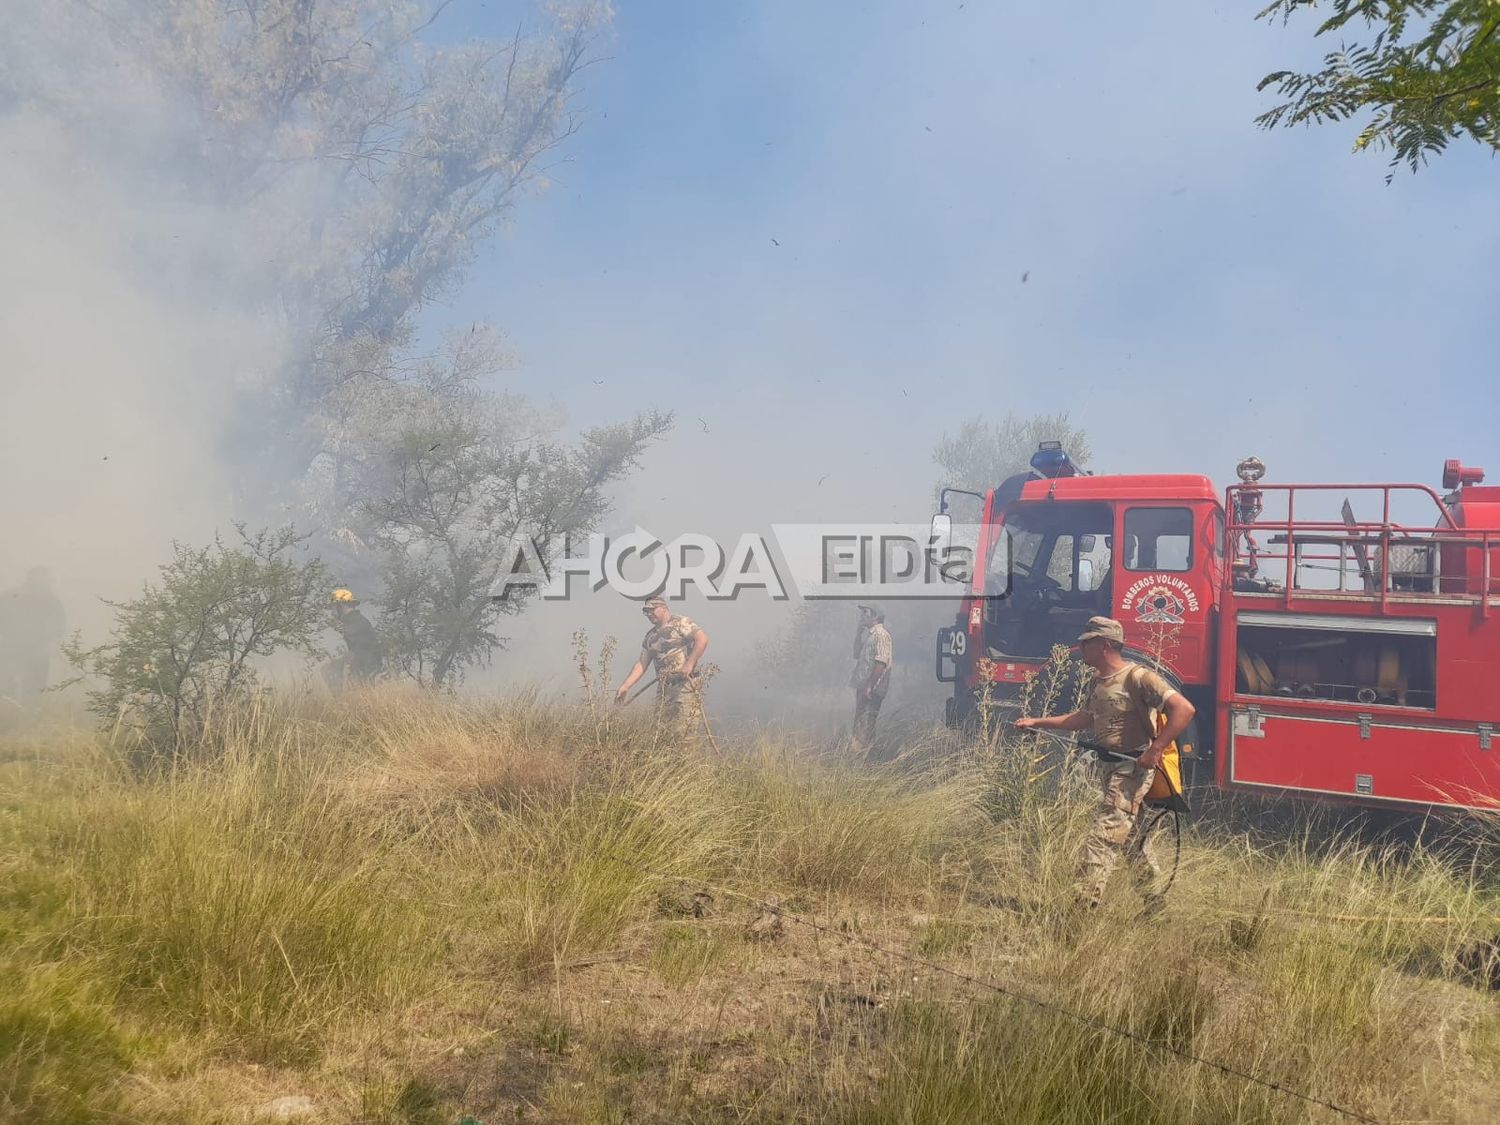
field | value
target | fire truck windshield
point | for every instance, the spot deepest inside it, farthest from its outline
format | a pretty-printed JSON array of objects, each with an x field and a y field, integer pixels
[
  {"x": 1017, "y": 552},
  {"x": 1048, "y": 571}
]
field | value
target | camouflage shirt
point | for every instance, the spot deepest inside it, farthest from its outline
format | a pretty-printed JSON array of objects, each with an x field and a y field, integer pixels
[
  {"x": 667, "y": 646},
  {"x": 1119, "y": 704}
]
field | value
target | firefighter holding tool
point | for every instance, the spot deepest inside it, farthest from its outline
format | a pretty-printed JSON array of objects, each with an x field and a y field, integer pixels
[
  {"x": 1130, "y": 744},
  {"x": 674, "y": 645}
]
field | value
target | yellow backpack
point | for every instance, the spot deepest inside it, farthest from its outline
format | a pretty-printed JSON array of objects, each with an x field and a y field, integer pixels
[{"x": 1166, "y": 784}]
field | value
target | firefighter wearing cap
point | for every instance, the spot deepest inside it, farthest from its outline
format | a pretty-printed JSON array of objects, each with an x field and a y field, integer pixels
[
  {"x": 1121, "y": 701},
  {"x": 365, "y": 660},
  {"x": 673, "y": 646},
  {"x": 872, "y": 673}
]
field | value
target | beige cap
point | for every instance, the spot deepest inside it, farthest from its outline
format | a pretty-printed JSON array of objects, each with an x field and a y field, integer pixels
[
  {"x": 652, "y": 603},
  {"x": 1106, "y": 627}
]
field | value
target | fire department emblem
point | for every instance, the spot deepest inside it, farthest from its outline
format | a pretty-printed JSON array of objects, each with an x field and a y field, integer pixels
[
  {"x": 1159, "y": 605},
  {"x": 1160, "y": 599}
]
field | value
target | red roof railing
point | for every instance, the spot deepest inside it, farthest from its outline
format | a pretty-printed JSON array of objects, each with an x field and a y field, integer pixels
[{"x": 1365, "y": 549}]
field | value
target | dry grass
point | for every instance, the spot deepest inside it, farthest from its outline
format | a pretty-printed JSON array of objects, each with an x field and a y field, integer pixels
[{"x": 414, "y": 909}]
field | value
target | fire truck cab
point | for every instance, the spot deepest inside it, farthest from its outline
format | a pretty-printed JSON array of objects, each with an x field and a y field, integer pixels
[{"x": 1338, "y": 640}]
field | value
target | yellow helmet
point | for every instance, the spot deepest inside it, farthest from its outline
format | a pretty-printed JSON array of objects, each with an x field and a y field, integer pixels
[{"x": 343, "y": 596}]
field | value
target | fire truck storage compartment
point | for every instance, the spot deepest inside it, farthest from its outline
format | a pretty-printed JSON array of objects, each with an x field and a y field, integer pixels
[
  {"x": 1369, "y": 756},
  {"x": 1389, "y": 661}
]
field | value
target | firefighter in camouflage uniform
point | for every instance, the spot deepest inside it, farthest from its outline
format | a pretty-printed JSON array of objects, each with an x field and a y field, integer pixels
[
  {"x": 1129, "y": 742},
  {"x": 673, "y": 646}
]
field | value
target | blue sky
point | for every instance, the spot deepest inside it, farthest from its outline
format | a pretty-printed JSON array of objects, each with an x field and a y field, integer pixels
[
  {"x": 1194, "y": 286},
  {"x": 1195, "y": 289}
]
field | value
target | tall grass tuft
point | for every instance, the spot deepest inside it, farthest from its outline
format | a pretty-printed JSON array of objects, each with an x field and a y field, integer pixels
[
  {"x": 61, "y": 1047},
  {"x": 806, "y": 825},
  {"x": 239, "y": 899},
  {"x": 487, "y": 891}
]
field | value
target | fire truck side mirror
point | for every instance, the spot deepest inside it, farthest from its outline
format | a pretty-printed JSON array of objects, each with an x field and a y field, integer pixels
[{"x": 941, "y": 537}]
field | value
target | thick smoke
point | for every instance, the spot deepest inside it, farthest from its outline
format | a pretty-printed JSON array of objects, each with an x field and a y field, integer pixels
[
  {"x": 224, "y": 225},
  {"x": 124, "y": 332},
  {"x": 149, "y": 319}
]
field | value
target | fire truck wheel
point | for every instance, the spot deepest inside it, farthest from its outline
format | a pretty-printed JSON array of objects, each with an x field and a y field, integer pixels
[{"x": 960, "y": 714}]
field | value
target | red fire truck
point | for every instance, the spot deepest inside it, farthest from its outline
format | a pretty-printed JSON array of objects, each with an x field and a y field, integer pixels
[{"x": 1338, "y": 640}]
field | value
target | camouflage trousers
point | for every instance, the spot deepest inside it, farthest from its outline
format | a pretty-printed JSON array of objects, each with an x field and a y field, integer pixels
[
  {"x": 679, "y": 709},
  {"x": 1117, "y": 830}
]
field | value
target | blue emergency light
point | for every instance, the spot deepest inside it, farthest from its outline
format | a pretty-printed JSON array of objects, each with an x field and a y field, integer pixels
[{"x": 1051, "y": 460}]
